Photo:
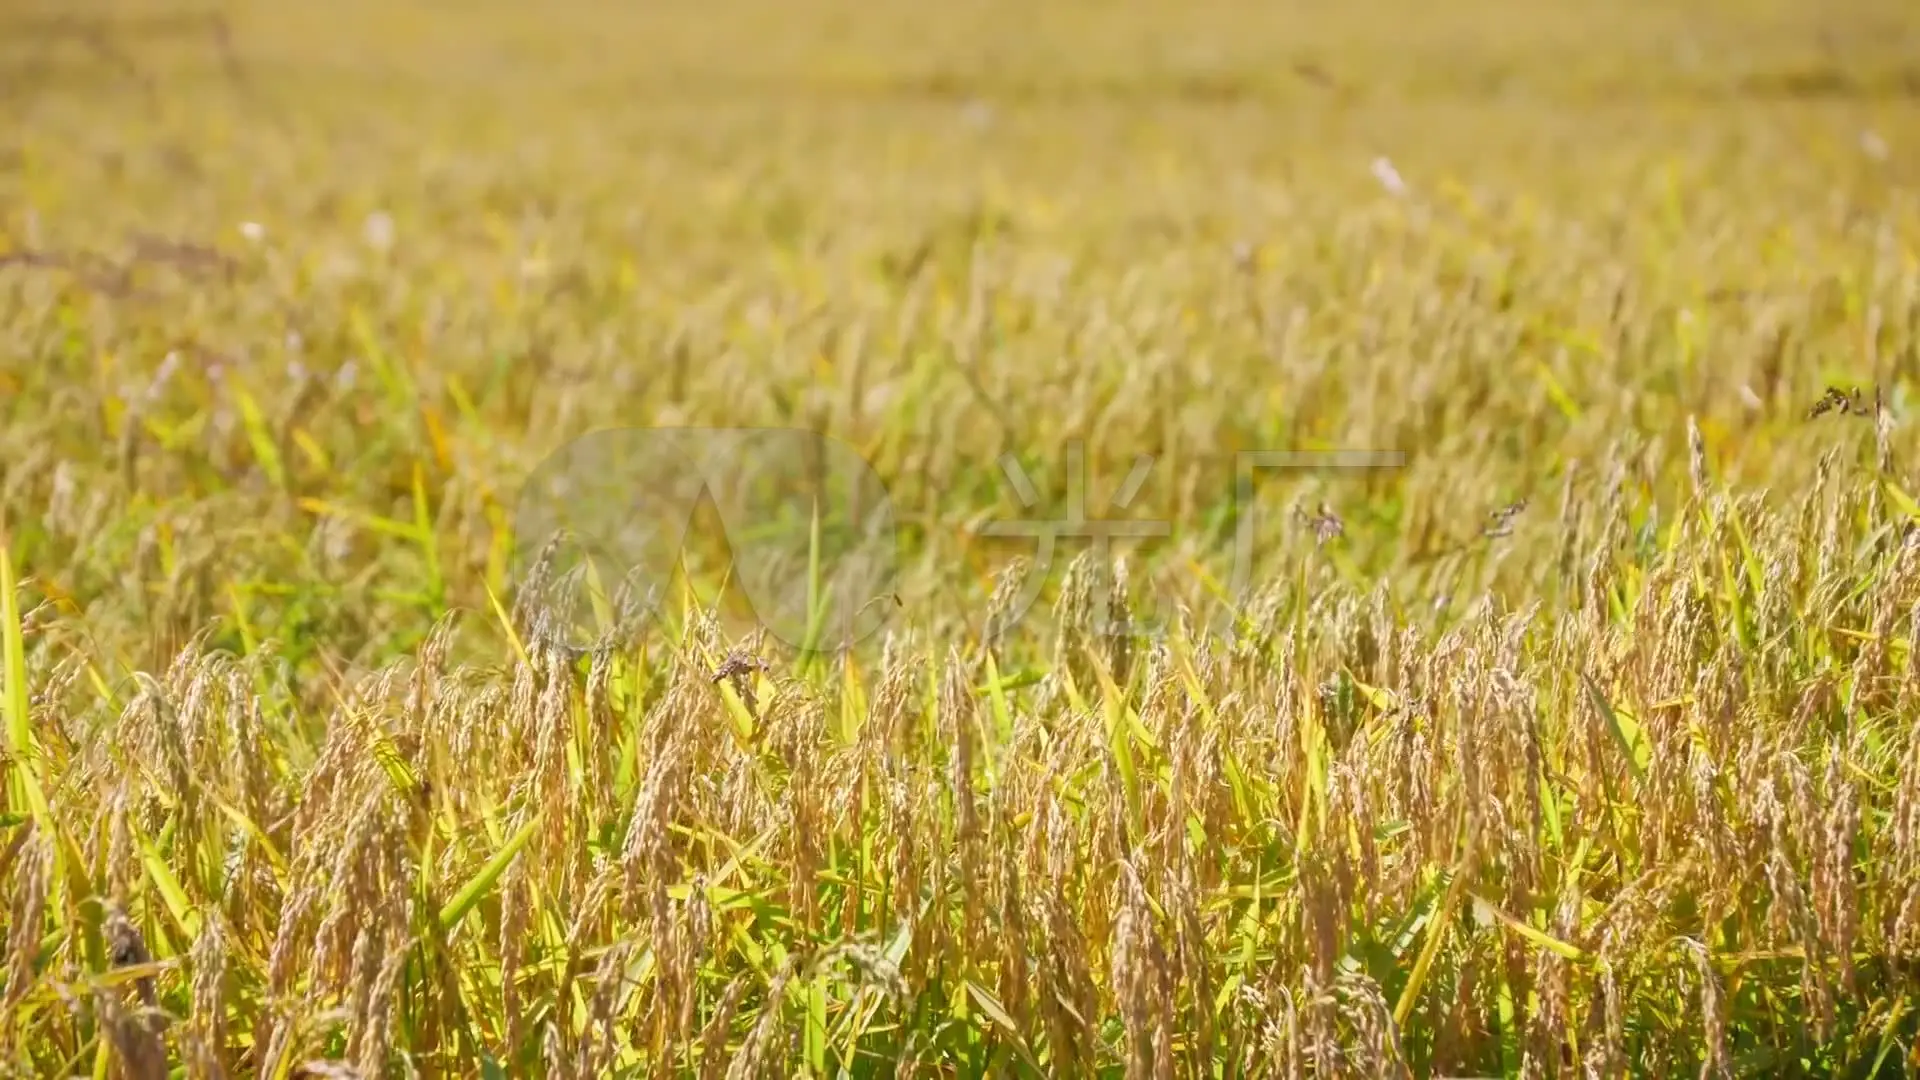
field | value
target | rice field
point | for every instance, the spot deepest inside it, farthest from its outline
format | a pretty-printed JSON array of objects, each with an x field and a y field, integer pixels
[{"x": 868, "y": 539}]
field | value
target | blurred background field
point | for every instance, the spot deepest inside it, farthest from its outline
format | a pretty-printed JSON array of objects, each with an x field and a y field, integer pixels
[
  {"x": 1581, "y": 745},
  {"x": 667, "y": 214}
]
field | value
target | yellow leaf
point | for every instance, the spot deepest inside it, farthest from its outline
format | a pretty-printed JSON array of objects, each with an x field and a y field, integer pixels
[{"x": 437, "y": 436}]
